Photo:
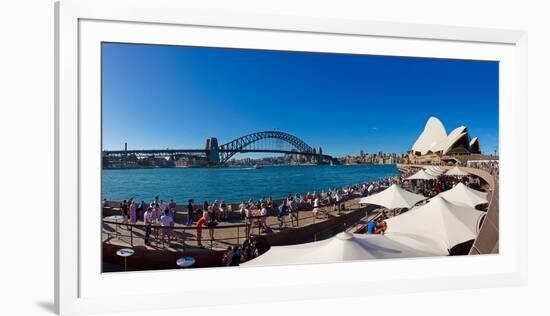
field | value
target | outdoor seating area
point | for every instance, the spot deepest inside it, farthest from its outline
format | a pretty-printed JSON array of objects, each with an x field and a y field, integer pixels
[{"x": 406, "y": 224}]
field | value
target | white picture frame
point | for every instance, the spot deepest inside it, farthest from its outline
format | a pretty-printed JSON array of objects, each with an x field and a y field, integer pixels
[{"x": 81, "y": 25}]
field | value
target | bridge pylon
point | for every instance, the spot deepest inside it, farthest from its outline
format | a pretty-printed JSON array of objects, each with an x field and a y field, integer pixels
[{"x": 213, "y": 151}]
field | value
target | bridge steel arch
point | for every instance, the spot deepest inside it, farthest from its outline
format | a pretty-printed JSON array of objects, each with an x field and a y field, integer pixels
[{"x": 230, "y": 149}]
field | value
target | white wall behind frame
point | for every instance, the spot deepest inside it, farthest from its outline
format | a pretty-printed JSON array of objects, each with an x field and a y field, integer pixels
[{"x": 27, "y": 103}]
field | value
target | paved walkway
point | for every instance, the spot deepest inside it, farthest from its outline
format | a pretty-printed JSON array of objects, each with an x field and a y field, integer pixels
[{"x": 225, "y": 234}]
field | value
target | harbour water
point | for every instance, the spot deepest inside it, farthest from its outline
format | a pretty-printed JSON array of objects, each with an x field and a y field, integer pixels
[{"x": 234, "y": 184}]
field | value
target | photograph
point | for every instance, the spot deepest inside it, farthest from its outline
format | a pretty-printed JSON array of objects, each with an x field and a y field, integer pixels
[{"x": 216, "y": 157}]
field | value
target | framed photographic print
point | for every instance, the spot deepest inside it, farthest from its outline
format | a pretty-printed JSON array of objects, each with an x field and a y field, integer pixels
[{"x": 206, "y": 148}]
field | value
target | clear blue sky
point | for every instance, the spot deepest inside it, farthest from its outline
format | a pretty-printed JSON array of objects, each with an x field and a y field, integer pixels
[{"x": 175, "y": 97}]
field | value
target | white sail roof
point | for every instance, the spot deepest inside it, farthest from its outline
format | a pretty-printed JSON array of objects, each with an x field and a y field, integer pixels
[
  {"x": 448, "y": 143},
  {"x": 463, "y": 195},
  {"x": 434, "y": 138},
  {"x": 474, "y": 146},
  {"x": 434, "y": 132},
  {"x": 346, "y": 246},
  {"x": 446, "y": 223},
  {"x": 393, "y": 197}
]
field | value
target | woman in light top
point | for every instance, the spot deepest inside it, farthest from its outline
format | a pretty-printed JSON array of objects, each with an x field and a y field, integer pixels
[
  {"x": 315, "y": 207},
  {"x": 157, "y": 213},
  {"x": 133, "y": 212},
  {"x": 211, "y": 223},
  {"x": 242, "y": 210},
  {"x": 166, "y": 221},
  {"x": 263, "y": 220}
]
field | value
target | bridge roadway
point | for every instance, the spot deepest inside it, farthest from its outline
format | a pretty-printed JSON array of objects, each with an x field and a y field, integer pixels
[{"x": 178, "y": 152}]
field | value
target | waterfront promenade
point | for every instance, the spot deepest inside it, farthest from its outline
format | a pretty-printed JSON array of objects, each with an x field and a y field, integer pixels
[
  {"x": 227, "y": 233},
  {"x": 161, "y": 254},
  {"x": 234, "y": 232}
]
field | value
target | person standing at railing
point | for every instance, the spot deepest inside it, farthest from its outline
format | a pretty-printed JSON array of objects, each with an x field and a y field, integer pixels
[
  {"x": 269, "y": 203},
  {"x": 242, "y": 210},
  {"x": 223, "y": 211},
  {"x": 167, "y": 222},
  {"x": 133, "y": 212},
  {"x": 124, "y": 210},
  {"x": 162, "y": 205},
  {"x": 148, "y": 220},
  {"x": 214, "y": 211},
  {"x": 156, "y": 215},
  {"x": 211, "y": 220},
  {"x": 202, "y": 221},
  {"x": 211, "y": 214},
  {"x": 315, "y": 207},
  {"x": 172, "y": 206},
  {"x": 190, "y": 213},
  {"x": 338, "y": 199},
  {"x": 141, "y": 208},
  {"x": 263, "y": 220},
  {"x": 172, "y": 214},
  {"x": 283, "y": 209},
  {"x": 249, "y": 218},
  {"x": 292, "y": 214}
]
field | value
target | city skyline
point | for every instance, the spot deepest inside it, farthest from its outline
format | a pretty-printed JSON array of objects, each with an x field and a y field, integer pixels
[{"x": 157, "y": 97}]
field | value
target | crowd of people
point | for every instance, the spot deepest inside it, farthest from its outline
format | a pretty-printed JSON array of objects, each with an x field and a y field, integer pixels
[
  {"x": 235, "y": 255},
  {"x": 159, "y": 213},
  {"x": 210, "y": 215},
  {"x": 490, "y": 166}
]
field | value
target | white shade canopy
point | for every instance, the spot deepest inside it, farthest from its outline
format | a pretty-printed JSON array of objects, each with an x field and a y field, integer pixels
[
  {"x": 346, "y": 246},
  {"x": 463, "y": 195},
  {"x": 440, "y": 169},
  {"x": 457, "y": 171},
  {"x": 448, "y": 224},
  {"x": 435, "y": 171},
  {"x": 393, "y": 197},
  {"x": 421, "y": 175}
]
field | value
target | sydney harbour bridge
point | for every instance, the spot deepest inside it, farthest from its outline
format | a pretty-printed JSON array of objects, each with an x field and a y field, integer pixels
[{"x": 217, "y": 155}]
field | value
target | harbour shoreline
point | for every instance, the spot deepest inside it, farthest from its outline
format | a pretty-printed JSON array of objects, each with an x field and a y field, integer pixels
[{"x": 235, "y": 184}]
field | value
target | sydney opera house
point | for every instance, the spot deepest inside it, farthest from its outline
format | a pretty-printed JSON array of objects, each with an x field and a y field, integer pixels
[{"x": 434, "y": 145}]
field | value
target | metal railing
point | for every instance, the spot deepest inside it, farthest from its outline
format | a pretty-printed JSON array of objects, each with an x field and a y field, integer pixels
[
  {"x": 243, "y": 231},
  {"x": 176, "y": 233}
]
